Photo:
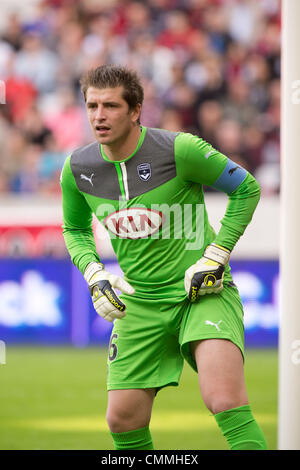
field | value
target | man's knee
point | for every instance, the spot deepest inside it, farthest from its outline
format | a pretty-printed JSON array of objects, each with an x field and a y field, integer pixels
[
  {"x": 129, "y": 409},
  {"x": 218, "y": 402},
  {"x": 120, "y": 420}
]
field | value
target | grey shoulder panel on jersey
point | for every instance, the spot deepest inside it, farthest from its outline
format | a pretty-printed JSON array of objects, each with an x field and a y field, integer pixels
[
  {"x": 153, "y": 164},
  {"x": 94, "y": 175}
]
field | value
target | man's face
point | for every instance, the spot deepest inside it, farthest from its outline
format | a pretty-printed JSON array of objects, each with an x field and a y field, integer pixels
[{"x": 109, "y": 114}]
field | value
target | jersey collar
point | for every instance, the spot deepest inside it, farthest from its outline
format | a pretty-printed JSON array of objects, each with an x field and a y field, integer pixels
[{"x": 139, "y": 144}]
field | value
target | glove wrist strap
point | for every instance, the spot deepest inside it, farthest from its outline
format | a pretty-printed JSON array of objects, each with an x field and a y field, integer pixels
[
  {"x": 217, "y": 253},
  {"x": 91, "y": 269}
]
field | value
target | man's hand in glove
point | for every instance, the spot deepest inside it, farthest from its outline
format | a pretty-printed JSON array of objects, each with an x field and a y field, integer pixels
[
  {"x": 206, "y": 276},
  {"x": 101, "y": 285}
]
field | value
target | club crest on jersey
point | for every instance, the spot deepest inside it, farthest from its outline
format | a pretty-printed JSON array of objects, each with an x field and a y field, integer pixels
[{"x": 144, "y": 171}]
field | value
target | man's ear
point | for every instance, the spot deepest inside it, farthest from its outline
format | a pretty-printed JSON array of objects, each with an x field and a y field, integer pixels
[{"x": 136, "y": 113}]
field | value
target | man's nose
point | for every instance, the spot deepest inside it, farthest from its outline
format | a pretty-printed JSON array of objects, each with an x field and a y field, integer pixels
[{"x": 100, "y": 113}]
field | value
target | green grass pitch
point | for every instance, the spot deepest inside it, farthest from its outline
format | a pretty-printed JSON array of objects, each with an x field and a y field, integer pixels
[{"x": 55, "y": 398}]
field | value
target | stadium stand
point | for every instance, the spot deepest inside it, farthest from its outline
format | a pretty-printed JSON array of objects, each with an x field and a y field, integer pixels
[{"x": 210, "y": 67}]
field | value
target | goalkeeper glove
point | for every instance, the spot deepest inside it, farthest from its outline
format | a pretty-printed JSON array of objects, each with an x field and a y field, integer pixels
[
  {"x": 206, "y": 276},
  {"x": 101, "y": 284}
]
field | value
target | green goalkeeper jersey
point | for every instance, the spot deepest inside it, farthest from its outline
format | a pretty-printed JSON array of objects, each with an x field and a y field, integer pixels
[{"x": 152, "y": 205}]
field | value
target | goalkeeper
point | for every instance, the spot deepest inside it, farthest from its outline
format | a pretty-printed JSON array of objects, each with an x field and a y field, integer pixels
[{"x": 178, "y": 300}]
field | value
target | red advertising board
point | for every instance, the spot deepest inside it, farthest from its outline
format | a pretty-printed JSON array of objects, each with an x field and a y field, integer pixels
[{"x": 32, "y": 241}]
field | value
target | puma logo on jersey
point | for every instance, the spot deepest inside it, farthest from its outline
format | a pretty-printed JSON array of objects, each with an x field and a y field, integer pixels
[
  {"x": 208, "y": 154},
  {"x": 233, "y": 170},
  {"x": 208, "y": 322},
  {"x": 87, "y": 178}
]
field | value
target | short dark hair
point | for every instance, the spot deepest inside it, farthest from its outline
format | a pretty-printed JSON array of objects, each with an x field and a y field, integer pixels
[{"x": 112, "y": 76}]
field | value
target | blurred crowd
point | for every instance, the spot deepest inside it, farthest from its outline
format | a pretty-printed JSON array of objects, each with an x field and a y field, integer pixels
[{"x": 210, "y": 67}]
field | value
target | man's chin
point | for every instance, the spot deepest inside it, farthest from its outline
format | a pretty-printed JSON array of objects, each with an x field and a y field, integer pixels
[{"x": 104, "y": 140}]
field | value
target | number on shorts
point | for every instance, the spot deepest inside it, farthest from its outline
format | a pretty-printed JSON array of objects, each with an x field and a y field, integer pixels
[{"x": 112, "y": 348}]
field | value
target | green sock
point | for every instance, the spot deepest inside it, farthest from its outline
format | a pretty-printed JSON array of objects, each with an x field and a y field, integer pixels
[
  {"x": 240, "y": 429},
  {"x": 138, "y": 439}
]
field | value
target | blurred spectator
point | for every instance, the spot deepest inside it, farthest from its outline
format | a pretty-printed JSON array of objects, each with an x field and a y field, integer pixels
[
  {"x": 13, "y": 32},
  {"x": 50, "y": 165},
  {"x": 13, "y": 145},
  {"x": 229, "y": 140},
  {"x": 209, "y": 117},
  {"x": 257, "y": 74},
  {"x": 210, "y": 67},
  {"x": 182, "y": 98},
  {"x": 6, "y": 54},
  {"x": 237, "y": 104},
  {"x": 268, "y": 176},
  {"x": 20, "y": 94},
  {"x": 36, "y": 63},
  {"x": 229, "y": 137},
  {"x": 67, "y": 121},
  {"x": 171, "y": 120},
  {"x": 33, "y": 127},
  {"x": 236, "y": 58},
  {"x": 216, "y": 28},
  {"x": 69, "y": 45},
  {"x": 177, "y": 33},
  {"x": 98, "y": 36},
  {"x": 151, "y": 110},
  {"x": 26, "y": 179},
  {"x": 4, "y": 188},
  {"x": 244, "y": 20},
  {"x": 138, "y": 19},
  {"x": 253, "y": 142}
]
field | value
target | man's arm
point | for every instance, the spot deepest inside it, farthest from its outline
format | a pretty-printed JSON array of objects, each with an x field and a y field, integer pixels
[
  {"x": 239, "y": 211},
  {"x": 80, "y": 242},
  {"x": 197, "y": 161},
  {"x": 77, "y": 222}
]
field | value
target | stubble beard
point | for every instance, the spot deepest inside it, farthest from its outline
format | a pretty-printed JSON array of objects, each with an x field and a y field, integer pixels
[{"x": 115, "y": 141}]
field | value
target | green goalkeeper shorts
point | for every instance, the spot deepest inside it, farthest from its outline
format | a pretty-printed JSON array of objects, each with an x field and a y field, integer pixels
[{"x": 147, "y": 347}]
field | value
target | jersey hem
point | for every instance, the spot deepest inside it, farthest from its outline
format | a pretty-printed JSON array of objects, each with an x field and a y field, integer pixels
[{"x": 142, "y": 385}]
